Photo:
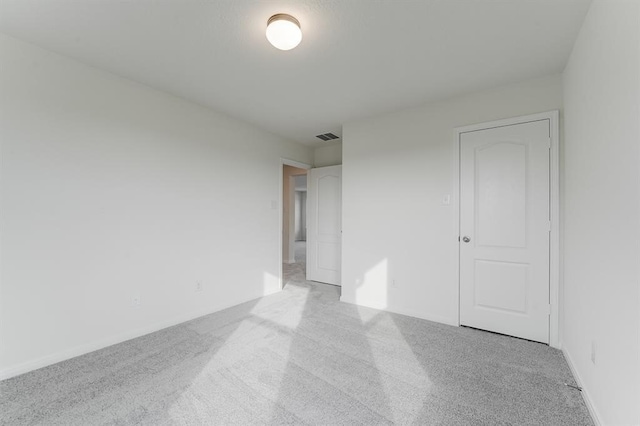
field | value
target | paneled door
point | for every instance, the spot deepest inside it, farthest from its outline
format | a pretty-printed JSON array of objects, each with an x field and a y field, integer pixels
[
  {"x": 504, "y": 229},
  {"x": 324, "y": 224}
]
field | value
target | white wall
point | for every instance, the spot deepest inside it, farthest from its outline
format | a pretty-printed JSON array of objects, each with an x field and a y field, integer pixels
[
  {"x": 602, "y": 210},
  {"x": 327, "y": 155},
  {"x": 396, "y": 170},
  {"x": 111, "y": 190}
]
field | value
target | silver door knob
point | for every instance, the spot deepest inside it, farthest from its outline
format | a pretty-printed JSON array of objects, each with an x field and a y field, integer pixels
[{"x": 466, "y": 239}]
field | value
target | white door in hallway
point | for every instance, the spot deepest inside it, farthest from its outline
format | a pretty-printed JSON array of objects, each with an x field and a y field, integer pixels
[
  {"x": 504, "y": 229},
  {"x": 324, "y": 224}
]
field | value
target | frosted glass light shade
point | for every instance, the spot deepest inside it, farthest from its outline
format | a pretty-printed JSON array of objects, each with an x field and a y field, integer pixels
[{"x": 283, "y": 31}]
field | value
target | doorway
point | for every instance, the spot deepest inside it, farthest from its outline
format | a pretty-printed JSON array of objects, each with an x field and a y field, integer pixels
[
  {"x": 300, "y": 217},
  {"x": 507, "y": 211},
  {"x": 293, "y": 221},
  {"x": 300, "y": 220}
]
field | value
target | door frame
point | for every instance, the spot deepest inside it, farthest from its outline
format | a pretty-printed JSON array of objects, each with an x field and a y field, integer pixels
[
  {"x": 293, "y": 163},
  {"x": 554, "y": 207}
]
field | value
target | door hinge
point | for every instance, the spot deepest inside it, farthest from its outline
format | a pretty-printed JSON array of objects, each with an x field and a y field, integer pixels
[
  {"x": 548, "y": 309},
  {"x": 549, "y": 226},
  {"x": 549, "y": 143}
]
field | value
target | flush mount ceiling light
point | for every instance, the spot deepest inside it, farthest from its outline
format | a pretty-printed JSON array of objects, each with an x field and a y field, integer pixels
[{"x": 283, "y": 31}]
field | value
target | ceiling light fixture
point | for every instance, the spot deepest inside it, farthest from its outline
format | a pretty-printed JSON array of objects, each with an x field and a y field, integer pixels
[{"x": 283, "y": 31}]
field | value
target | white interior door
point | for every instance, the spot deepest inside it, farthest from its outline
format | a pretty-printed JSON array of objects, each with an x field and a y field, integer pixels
[
  {"x": 504, "y": 230},
  {"x": 324, "y": 224}
]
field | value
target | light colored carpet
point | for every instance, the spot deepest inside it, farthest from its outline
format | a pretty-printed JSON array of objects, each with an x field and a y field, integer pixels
[{"x": 302, "y": 357}]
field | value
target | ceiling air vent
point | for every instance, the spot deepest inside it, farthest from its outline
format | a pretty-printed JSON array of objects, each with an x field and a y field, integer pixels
[{"x": 327, "y": 137}]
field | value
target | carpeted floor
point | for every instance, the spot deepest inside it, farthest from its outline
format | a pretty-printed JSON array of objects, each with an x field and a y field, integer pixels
[{"x": 302, "y": 357}]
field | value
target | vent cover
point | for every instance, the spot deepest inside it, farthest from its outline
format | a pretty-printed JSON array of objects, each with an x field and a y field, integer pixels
[{"x": 327, "y": 137}]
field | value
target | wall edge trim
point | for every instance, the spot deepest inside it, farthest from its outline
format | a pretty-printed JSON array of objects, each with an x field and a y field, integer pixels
[
  {"x": 595, "y": 416},
  {"x": 57, "y": 357},
  {"x": 401, "y": 311}
]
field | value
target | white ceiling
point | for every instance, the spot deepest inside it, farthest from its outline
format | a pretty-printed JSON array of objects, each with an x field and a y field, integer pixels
[{"x": 357, "y": 57}]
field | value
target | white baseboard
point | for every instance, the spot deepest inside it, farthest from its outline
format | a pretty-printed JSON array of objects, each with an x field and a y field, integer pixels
[
  {"x": 585, "y": 393},
  {"x": 403, "y": 311},
  {"x": 57, "y": 357}
]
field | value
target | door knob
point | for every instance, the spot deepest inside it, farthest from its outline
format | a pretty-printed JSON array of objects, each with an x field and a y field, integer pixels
[{"x": 466, "y": 239}]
